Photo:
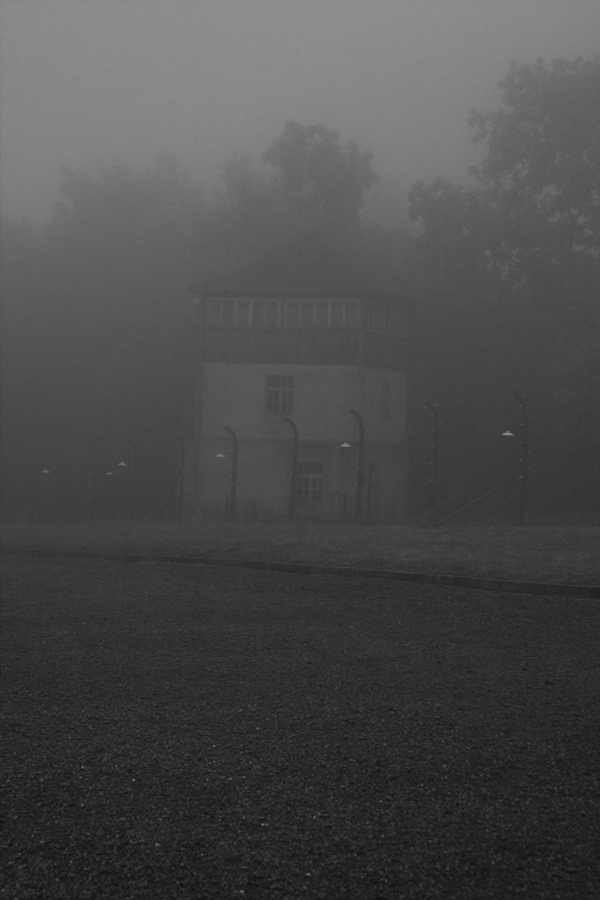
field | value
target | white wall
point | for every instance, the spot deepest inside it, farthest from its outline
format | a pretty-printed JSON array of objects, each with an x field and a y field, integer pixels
[{"x": 235, "y": 395}]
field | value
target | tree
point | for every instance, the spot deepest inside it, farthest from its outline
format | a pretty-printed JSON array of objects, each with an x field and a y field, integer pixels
[
  {"x": 118, "y": 251},
  {"x": 322, "y": 183},
  {"x": 243, "y": 219},
  {"x": 25, "y": 324},
  {"x": 543, "y": 164},
  {"x": 518, "y": 251},
  {"x": 104, "y": 347},
  {"x": 311, "y": 181}
]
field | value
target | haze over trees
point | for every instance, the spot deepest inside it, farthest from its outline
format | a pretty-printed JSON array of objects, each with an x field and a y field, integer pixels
[
  {"x": 514, "y": 271},
  {"x": 320, "y": 183},
  {"x": 310, "y": 180},
  {"x": 94, "y": 340},
  {"x": 98, "y": 335}
]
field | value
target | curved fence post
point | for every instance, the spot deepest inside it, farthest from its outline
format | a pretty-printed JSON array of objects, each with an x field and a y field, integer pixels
[
  {"x": 231, "y": 509},
  {"x": 294, "y": 482},
  {"x": 524, "y": 439},
  {"x": 360, "y": 468}
]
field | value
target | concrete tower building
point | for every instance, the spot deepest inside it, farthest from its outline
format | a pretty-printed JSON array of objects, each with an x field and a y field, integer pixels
[{"x": 301, "y": 391}]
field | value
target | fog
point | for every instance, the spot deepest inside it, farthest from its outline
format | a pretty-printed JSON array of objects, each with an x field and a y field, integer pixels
[
  {"x": 90, "y": 81},
  {"x": 185, "y": 139}
]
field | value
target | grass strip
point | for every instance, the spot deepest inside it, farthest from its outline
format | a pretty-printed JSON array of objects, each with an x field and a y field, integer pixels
[{"x": 588, "y": 592}]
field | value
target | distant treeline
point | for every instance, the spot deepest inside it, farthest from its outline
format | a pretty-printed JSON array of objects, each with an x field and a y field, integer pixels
[{"x": 99, "y": 338}]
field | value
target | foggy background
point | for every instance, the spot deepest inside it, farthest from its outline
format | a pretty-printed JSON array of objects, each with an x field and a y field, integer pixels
[
  {"x": 133, "y": 137},
  {"x": 88, "y": 80}
]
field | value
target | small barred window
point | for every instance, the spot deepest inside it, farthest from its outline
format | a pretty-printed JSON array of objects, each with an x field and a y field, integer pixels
[
  {"x": 280, "y": 394},
  {"x": 310, "y": 481}
]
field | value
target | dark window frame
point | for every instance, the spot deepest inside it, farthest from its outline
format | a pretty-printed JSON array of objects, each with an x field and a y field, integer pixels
[
  {"x": 309, "y": 484},
  {"x": 297, "y": 313},
  {"x": 279, "y": 395}
]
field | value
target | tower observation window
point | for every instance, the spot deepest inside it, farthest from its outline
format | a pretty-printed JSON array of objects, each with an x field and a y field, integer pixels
[
  {"x": 386, "y": 318},
  {"x": 243, "y": 312}
]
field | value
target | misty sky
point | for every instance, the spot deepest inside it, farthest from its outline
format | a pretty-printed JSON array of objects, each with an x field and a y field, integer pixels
[{"x": 89, "y": 80}]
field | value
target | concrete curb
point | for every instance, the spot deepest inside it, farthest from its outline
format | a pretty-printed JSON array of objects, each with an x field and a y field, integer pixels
[{"x": 579, "y": 591}]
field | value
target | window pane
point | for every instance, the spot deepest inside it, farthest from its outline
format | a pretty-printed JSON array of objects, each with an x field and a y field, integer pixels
[
  {"x": 321, "y": 313},
  {"x": 292, "y": 312},
  {"x": 286, "y": 402},
  {"x": 280, "y": 394},
  {"x": 243, "y": 313},
  {"x": 213, "y": 313},
  {"x": 307, "y": 313},
  {"x": 310, "y": 481},
  {"x": 272, "y": 393},
  {"x": 271, "y": 313},
  {"x": 337, "y": 314},
  {"x": 401, "y": 321},
  {"x": 258, "y": 313},
  {"x": 385, "y": 400},
  {"x": 386, "y": 319},
  {"x": 351, "y": 314},
  {"x": 228, "y": 313}
]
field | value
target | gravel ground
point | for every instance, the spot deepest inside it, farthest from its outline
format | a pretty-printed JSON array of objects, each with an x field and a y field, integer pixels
[{"x": 186, "y": 732}]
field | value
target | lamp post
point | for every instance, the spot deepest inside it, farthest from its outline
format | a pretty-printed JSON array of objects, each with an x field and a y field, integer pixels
[
  {"x": 133, "y": 492},
  {"x": 294, "y": 484},
  {"x": 48, "y": 494},
  {"x": 434, "y": 466},
  {"x": 524, "y": 441},
  {"x": 524, "y": 445},
  {"x": 176, "y": 488},
  {"x": 93, "y": 466},
  {"x": 360, "y": 468},
  {"x": 123, "y": 493},
  {"x": 231, "y": 510}
]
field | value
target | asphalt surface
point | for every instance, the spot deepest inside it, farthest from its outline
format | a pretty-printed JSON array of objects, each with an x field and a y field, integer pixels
[{"x": 185, "y": 732}]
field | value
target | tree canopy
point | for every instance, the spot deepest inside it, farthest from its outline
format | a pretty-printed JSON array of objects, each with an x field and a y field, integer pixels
[
  {"x": 97, "y": 350},
  {"x": 533, "y": 211},
  {"x": 98, "y": 335},
  {"x": 520, "y": 246},
  {"x": 543, "y": 160},
  {"x": 322, "y": 182}
]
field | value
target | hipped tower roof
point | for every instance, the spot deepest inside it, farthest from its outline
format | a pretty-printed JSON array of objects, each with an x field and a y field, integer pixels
[{"x": 302, "y": 266}]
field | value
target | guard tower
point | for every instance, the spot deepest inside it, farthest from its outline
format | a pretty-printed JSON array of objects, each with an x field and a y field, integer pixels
[{"x": 301, "y": 391}]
